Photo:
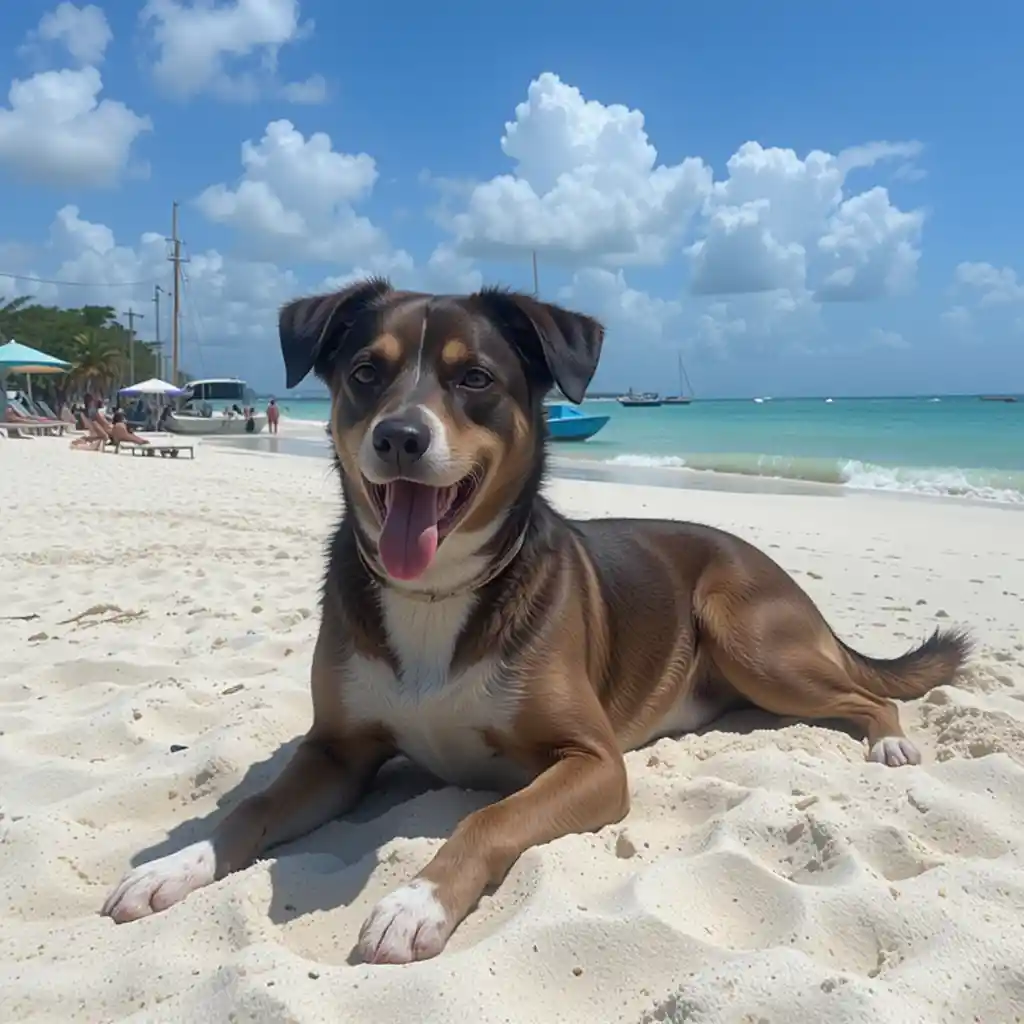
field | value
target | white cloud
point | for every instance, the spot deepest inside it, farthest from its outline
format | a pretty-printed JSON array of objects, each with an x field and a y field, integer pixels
[
  {"x": 586, "y": 188},
  {"x": 82, "y": 31},
  {"x": 311, "y": 91},
  {"x": 296, "y": 197},
  {"x": 879, "y": 337},
  {"x": 874, "y": 247},
  {"x": 992, "y": 285},
  {"x": 959, "y": 322},
  {"x": 229, "y": 305},
  {"x": 586, "y": 185},
  {"x": 57, "y": 131},
  {"x": 228, "y": 49},
  {"x": 641, "y": 319},
  {"x": 781, "y": 222}
]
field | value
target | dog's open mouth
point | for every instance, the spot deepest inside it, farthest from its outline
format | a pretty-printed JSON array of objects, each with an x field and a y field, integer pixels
[{"x": 415, "y": 519}]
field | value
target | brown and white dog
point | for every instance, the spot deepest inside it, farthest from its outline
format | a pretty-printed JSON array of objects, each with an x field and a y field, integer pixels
[{"x": 471, "y": 627}]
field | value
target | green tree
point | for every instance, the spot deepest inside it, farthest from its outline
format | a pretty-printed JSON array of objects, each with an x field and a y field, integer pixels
[
  {"x": 9, "y": 310},
  {"x": 97, "y": 361}
]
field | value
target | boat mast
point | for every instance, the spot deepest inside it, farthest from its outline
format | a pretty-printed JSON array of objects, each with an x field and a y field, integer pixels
[
  {"x": 536, "y": 284},
  {"x": 683, "y": 375}
]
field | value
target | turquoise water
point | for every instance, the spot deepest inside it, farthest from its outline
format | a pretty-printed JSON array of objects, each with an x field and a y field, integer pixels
[{"x": 950, "y": 446}]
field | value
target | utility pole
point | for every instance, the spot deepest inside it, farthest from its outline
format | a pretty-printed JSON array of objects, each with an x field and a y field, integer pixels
[
  {"x": 177, "y": 259},
  {"x": 132, "y": 317},
  {"x": 156, "y": 332}
]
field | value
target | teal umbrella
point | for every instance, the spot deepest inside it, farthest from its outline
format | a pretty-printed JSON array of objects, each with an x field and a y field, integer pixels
[{"x": 18, "y": 358}]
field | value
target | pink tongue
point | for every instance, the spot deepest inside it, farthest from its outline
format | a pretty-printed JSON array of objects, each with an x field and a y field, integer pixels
[{"x": 408, "y": 539}]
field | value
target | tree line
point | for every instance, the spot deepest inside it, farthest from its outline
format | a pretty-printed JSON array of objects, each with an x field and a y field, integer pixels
[{"x": 90, "y": 338}]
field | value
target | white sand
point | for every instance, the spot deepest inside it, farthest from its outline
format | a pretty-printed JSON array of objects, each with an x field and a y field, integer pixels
[{"x": 762, "y": 876}]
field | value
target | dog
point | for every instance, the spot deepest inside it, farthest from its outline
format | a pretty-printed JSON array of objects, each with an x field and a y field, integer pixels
[{"x": 471, "y": 627}]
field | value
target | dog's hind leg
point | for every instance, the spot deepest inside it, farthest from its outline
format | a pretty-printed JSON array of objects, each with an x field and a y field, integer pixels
[{"x": 787, "y": 663}]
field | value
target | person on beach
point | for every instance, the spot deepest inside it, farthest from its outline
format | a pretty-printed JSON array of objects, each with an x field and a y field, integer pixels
[
  {"x": 273, "y": 416},
  {"x": 119, "y": 432}
]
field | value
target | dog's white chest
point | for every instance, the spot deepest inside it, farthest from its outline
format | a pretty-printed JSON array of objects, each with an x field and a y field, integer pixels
[{"x": 438, "y": 720}]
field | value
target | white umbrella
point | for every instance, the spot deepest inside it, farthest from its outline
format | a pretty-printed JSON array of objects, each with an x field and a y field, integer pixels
[{"x": 153, "y": 386}]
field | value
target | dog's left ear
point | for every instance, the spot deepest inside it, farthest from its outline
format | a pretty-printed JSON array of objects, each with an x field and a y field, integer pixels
[
  {"x": 312, "y": 330},
  {"x": 565, "y": 346}
]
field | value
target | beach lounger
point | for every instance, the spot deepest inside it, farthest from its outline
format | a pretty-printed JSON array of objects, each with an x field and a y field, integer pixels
[
  {"x": 49, "y": 427},
  {"x": 170, "y": 451}
]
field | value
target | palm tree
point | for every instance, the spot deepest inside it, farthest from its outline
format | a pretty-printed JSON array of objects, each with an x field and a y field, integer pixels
[
  {"x": 96, "y": 361},
  {"x": 9, "y": 314}
]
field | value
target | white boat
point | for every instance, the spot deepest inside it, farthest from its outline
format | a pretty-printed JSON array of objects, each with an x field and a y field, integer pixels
[
  {"x": 645, "y": 398},
  {"x": 217, "y": 424},
  {"x": 207, "y": 410}
]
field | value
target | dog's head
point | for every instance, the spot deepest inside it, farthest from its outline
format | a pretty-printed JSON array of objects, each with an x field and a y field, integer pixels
[{"x": 437, "y": 416}]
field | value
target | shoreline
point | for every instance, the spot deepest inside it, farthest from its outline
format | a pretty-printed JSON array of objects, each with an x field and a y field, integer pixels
[{"x": 307, "y": 439}]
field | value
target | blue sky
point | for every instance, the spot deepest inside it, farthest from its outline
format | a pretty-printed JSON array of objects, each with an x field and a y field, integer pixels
[{"x": 831, "y": 208}]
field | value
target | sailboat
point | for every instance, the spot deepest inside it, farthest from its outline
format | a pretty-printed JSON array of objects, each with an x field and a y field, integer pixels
[{"x": 681, "y": 398}]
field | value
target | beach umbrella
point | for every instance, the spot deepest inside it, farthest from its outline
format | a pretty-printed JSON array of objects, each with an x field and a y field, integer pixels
[
  {"x": 18, "y": 358},
  {"x": 153, "y": 386}
]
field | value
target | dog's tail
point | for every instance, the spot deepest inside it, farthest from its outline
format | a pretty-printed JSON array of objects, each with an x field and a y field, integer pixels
[{"x": 913, "y": 674}]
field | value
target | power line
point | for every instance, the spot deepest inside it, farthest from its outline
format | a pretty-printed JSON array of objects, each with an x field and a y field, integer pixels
[{"x": 77, "y": 284}]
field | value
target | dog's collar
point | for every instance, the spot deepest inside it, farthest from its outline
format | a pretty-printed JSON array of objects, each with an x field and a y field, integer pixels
[{"x": 431, "y": 596}]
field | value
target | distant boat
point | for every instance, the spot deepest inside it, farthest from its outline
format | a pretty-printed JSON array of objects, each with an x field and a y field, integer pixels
[
  {"x": 683, "y": 398},
  {"x": 566, "y": 423},
  {"x": 998, "y": 398},
  {"x": 643, "y": 398}
]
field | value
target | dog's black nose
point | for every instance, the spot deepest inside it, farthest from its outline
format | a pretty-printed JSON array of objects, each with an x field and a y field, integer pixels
[{"x": 401, "y": 439}]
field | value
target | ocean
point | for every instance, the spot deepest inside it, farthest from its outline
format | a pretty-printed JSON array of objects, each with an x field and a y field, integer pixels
[{"x": 933, "y": 446}]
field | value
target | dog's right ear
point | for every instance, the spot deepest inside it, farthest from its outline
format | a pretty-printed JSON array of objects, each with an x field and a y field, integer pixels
[{"x": 312, "y": 330}]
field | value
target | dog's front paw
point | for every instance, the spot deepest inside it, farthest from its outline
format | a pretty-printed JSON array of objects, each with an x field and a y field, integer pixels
[
  {"x": 161, "y": 883},
  {"x": 895, "y": 751},
  {"x": 410, "y": 924}
]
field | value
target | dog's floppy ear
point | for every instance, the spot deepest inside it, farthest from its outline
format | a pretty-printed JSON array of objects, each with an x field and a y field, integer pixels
[
  {"x": 312, "y": 329},
  {"x": 564, "y": 346}
]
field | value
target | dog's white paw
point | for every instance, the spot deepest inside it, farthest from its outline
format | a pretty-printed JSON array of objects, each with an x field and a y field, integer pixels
[
  {"x": 410, "y": 924},
  {"x": 895, "y": 751},
  {"x": 161, "y": 883}
]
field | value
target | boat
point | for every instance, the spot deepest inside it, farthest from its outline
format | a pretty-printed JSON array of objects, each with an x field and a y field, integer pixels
[
  {"x": 998, "y": 398},
  {"x": 566, "y": 423},
  {"x": 683, "y": 398},
  {"x": 199, "y": 417},
  {"x": 643, "y": 398}
]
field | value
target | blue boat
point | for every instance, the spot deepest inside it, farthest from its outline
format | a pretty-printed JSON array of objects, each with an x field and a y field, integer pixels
[{"x": 566, "y": 423}]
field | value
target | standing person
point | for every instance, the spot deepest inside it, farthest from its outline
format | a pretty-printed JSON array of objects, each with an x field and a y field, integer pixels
[{"x": 273, "y": 416}]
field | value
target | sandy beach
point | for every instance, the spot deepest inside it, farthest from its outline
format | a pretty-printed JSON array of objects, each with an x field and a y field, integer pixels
[{"x": 157, "y": 620}]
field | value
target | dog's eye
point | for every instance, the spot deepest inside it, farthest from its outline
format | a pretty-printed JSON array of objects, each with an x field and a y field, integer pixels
[
  {"x": 365, "y": 374},
  {"x": 476, "y": 379}
]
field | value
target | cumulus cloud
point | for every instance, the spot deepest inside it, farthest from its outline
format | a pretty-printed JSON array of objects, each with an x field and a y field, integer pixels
[
  {"x": 643, "y": 320},
  {"x": 82, "y": 31},
  {"x": 229, "y": 304},
  {"x": 586, "y": 188},
  {"x": 781, "y": 222},
  {"x": 227, "y": 49},
  {"x": 296, "y": 199},
  {"x": 56, "y": 130},
  {"x": 586, "y": 185},
  {"x": 992, "y": 286}
]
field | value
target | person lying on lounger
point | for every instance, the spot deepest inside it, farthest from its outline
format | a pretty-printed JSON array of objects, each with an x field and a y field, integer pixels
[
  {"x": 11, "y": 415},
  {"x": 119, "y": 432},
  {"x": 97, "y": 428}
]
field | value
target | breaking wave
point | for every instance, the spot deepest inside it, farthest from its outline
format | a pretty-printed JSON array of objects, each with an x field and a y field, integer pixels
[{"x": 1000, "y": 485}]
